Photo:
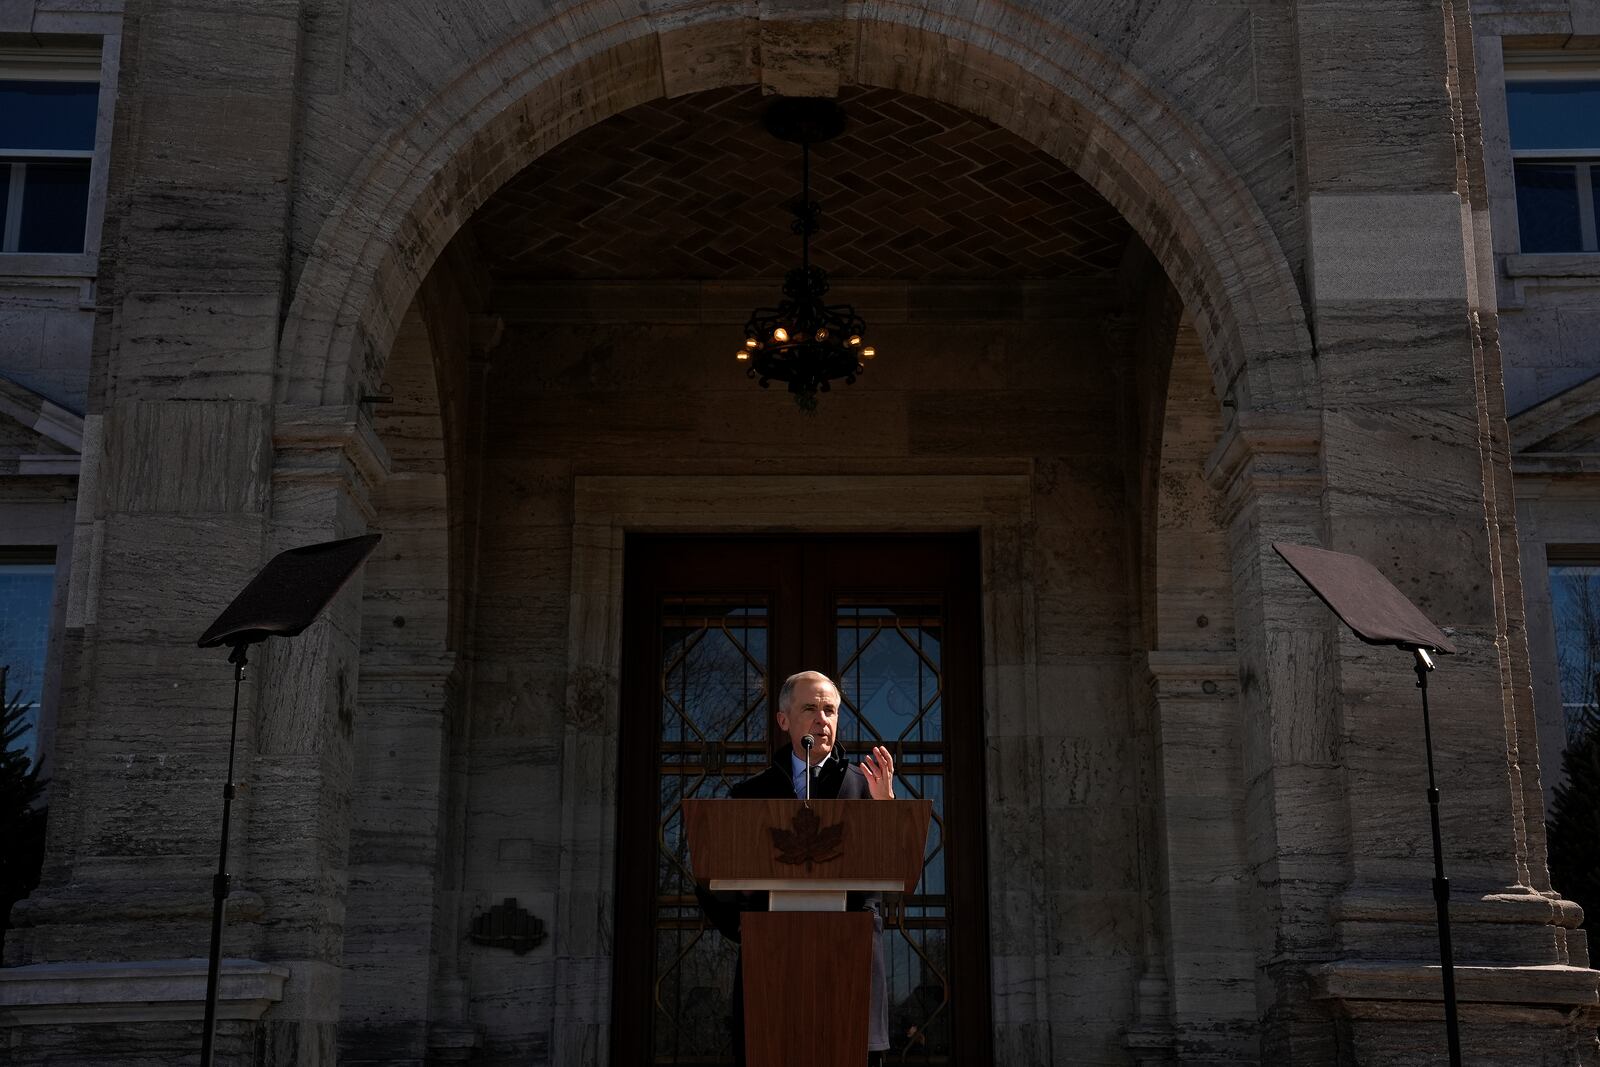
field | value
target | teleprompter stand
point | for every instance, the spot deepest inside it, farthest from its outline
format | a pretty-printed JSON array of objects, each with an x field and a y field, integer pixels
[
  {"x": 283, "y": 599},
  {"x": 1379, "y": 614}
]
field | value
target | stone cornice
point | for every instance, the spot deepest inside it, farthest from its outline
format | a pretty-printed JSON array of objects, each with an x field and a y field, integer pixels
[
  {"x": 420, "y": 678},
  {"x": 1554, "y": 464},
  {"x": 334, "y": 445},
  {"x": 1375, "y": 904},
  {"x": 44, "y": 417},
  {"x": 1548, "y": 418},
  {"x": 1267, "y": 454},
  {"x": 1192, "y": 675},
  {"x": 918, "y": 502},
  {"x": 55, "y": 426},
  {"x": 137, "y": 991},
  {"x": 1402, "y": 980}
]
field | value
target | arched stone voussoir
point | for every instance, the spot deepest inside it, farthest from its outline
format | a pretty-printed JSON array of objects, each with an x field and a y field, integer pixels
[{"x": 1036, "y": 78}]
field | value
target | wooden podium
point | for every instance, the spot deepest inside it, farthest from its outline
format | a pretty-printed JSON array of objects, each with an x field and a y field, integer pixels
[{"x": 807, "y": 961}]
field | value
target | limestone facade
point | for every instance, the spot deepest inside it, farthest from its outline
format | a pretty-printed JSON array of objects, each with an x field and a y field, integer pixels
[{"x": 1281, "y": 300}]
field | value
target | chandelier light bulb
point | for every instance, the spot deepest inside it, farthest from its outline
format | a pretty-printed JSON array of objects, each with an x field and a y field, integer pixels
[
  {"x": 822, "y": 335},
  {"x": 741, "y": 354},
  {"x": 869, "y": 352},
  {"x": 855, "y": 339},
  {"x": 751, "y": 342},
  {"x": 780, "y": 335}
]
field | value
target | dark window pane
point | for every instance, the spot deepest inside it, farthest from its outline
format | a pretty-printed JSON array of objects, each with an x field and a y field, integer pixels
[
  {"x": 1554, "y": 114},
  {"x": 1575, "y": 603},
  {"x": 55, "y": 201},
  {"x": 5, "y": 192},
  {"x": 1547, "y": 207},
  {"x": 25, "y": 590},
  {"x": 47, "y": 115}
]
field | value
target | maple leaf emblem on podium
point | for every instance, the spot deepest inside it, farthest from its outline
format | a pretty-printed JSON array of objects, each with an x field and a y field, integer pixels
[{"x": 808, "y": 842}]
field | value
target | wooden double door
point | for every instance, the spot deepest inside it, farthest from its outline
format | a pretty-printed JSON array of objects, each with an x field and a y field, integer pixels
[{"x": 712, "y": 628}]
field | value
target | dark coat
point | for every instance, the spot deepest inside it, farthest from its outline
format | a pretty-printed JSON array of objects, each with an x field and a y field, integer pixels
[{"x": 835, "y": 781}]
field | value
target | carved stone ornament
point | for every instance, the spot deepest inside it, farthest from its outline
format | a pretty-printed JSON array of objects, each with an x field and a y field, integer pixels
[
  {"x": 808, "y": 842},
  {"x": 509, "y": 926}
]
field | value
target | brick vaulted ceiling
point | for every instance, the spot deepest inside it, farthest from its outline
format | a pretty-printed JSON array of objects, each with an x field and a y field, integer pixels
[{"x": 695, "y": 188}]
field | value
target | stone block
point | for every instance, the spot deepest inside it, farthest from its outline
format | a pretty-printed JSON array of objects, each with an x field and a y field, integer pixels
[
  {"x": 1422, "y": 463},
  {"x": 212, "y": 346},
  {"x": 44, "y": 341},
  {"x": 44, "y": 994},
  {"x": 252, "y": 51},
  {"x": 16, "y": 16},
  {"x": 185, "y": 460},
  {"x": 992, "y": 424},
  {"x": 1422, "y": 231},
  {"x": 802, "y": 56},
  {"x": 1377, "y": 118},
  {"x": 1395, "y": 355},
  {"x": 700, "y": 57},
  {"x": 176, "y": 226}
]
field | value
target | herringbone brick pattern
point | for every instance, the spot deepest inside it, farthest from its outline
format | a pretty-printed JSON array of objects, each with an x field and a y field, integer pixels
[{"x": 696, "y": 188}]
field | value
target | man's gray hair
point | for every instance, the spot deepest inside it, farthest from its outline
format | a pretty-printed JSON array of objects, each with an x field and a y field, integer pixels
[{"x": 786, "y": 694}]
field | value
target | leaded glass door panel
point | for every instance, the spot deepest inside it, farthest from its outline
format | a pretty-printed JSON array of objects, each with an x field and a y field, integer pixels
[{"x": 713, "y": 626}]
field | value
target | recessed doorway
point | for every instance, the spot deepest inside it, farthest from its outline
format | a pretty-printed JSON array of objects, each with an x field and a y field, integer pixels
[{"x": 712, "y": 625}]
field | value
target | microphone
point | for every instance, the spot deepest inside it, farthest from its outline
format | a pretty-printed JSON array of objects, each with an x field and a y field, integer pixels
[{"x": 807, "y": 741}]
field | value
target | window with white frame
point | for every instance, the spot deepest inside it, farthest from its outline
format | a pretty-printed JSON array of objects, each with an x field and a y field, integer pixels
[
  {"x": 49, "y": 103},
  {"x": 1575, "y": 606},
  {"x": 1553, "y": 108},
  {"x": 27, "y": 586}
]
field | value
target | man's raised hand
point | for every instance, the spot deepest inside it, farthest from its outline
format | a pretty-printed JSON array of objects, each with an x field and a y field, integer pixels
[{"x": 878, "y": 766}]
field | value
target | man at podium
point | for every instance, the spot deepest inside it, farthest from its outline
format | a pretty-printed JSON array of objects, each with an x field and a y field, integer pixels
[{"x": 808, "y": 706}]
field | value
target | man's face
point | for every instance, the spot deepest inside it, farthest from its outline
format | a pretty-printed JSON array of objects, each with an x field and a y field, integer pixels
[{"x": 814, "y": 710}]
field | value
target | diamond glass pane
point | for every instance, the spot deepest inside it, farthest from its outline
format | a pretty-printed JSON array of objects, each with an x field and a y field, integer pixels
[
  {"x": 890, "y": 676},
  {"x": 713, "y": 715}
]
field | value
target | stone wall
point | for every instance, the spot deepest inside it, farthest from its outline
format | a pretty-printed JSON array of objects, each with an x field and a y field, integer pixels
[
  {"x": 1549, "y": 318},
  {"x": 285, "y": 177}
]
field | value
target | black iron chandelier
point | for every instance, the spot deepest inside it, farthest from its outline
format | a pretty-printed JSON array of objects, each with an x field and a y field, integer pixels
[{"x": 803, "y": 341}]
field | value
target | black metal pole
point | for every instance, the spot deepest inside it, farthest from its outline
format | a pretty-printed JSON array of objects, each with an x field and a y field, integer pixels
[
  {"x": 220, "y": 884},
  {"x": 1441, "y": 884}
]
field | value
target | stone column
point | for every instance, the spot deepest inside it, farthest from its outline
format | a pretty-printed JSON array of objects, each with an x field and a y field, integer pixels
[
  {"x": 396, "y": 855},
  {"x": 328, "y": 461},
  {"x": 176, "y": 512},
  {"x": 1207, "y": 886},
  {"x": 171, "y": 522},
  {"x": 1266, "y": 468},
  {"x": 1412, "y": 481},
  {"x": 410, "y": 694}
]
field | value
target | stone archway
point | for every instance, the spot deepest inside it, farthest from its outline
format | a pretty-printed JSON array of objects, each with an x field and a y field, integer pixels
[
  {"x": 1094, "y": 112},
  {"x": 574, "y": 349},
  {"x": 407, "y": 721},
  {"x": 1090, "y": 112}
]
